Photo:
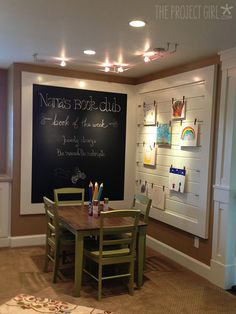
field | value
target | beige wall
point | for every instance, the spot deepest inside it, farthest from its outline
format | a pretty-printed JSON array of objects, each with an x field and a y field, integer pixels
[{"x": 3, "y": 119}]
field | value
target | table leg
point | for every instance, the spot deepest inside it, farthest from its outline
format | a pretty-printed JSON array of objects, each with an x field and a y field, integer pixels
[
  {"x": 141, "y": 254},
  {"x": 79, "y": 247}
]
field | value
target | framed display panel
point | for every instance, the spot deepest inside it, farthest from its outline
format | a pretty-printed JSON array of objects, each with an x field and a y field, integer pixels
[{"x": 188, "y": 211}]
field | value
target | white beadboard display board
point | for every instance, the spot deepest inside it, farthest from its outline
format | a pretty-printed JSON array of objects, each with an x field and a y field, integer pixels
[{"x": 188, "y": 211}]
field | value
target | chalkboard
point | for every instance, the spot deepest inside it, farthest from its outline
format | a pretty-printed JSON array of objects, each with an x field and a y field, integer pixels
[{"x": 78, "y": 137}]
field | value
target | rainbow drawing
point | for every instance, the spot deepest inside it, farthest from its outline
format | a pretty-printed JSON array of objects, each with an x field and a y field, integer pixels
[{"x": 188, "y": 135}]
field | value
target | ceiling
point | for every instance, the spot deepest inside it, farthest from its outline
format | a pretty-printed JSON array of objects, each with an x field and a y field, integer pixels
[{"x": 55, "y": 28}]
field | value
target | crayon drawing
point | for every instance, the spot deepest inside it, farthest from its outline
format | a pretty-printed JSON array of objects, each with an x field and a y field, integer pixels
[
  {"x": 189, "y": 134},
  {"x": 163, "y": 134},
  {"x": 149, "y": 112},
  {"x": 149, "y": 157},
  {"x": 178, "y": 109}
]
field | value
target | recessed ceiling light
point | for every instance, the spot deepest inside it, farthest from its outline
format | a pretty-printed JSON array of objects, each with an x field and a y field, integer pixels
[
  {"x": 137, "y": 23},
  {"x": 89, "y": 52}
]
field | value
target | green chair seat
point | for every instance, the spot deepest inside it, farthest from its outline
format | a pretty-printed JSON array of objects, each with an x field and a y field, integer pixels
[{"x": 110, "y": 253}]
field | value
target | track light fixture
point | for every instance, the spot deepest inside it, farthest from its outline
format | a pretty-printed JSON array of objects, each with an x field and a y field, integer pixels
[
  {"x": 115, "y": 68},
  {"x": 158, "y": 53}
]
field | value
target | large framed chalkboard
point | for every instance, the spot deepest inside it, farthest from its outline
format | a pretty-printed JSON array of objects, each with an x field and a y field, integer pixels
[{"x": 77, "y": 136}]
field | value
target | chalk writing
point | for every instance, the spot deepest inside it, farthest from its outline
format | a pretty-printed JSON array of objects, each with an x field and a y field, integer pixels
[
  {"x": 76, "y": 140},
  {"x": 80, "y": 152}
]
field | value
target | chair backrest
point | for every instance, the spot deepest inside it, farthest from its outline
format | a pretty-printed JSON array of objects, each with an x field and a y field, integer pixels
[
  {"x": 52, "y": 218},
  {"x": 115, "y": 230},
  {"x": 142, "y": 203},
  {"x": 69, "y": 196}
]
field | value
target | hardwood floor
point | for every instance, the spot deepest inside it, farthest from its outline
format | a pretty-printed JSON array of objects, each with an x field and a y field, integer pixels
[{"x": 168, "y": 287}]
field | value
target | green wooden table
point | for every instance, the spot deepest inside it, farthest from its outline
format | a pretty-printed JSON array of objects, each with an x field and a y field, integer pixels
[{"x": 77, "y": 220}]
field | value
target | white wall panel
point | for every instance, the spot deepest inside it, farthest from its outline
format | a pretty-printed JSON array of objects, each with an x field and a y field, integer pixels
[{"x": 188, "y": 211}]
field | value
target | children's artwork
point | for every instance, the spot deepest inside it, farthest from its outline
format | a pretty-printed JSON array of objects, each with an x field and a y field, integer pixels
[
  {"x": 189, "y": 134},
  {"x": 149, "y": 111},
  {"x": 158, "y": 197},
  {"x": 178, "y": 109},
  {"x": 177, "y": 179},
  {"x": 149, "y": 157},
  {"x": 163, "y": 134}
]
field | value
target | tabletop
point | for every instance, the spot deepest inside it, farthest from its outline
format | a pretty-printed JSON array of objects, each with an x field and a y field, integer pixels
[{"x": 77, "y": 217}]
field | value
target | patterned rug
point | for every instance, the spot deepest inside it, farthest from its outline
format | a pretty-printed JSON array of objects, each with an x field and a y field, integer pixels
[{"x": 27, "y": 304}]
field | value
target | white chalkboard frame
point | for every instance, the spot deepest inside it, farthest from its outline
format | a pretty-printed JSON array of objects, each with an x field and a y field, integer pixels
[{"x": 28, "y": 79}]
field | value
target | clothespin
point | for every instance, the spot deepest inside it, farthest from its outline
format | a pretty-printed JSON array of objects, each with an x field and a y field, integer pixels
[
  {"x": 173, "y": 100},
  {"x": 152, "y": 185},
  {"x": 195, "y": 121},
  {"x": 157, "y": 123},
  {"x": 143, "y": 143},
  {"x": 169, "y": 123},
  {"x": 140, "y": 181},
  {"x": 183, "y": 98},
  {"x": 181, "y": 122},
  {"x": 163, "y": 188}
]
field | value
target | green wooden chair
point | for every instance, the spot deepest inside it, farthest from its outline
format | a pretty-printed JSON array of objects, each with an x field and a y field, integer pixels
[
  {"x": 115, "y": 250},
  {"x": 69, "y": 196},
  {"x": 57, "y": 242},
  {"x": 143, "y": 203}
]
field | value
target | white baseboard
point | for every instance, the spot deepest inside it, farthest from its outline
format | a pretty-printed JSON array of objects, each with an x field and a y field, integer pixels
[
  {"x": 4, "y": 242},
  {"x": 217, "y": 273},
  {"x": 226, "y": 274},
  {"x": 180, "y": 258},
  {"x": 30, "y": 240}
]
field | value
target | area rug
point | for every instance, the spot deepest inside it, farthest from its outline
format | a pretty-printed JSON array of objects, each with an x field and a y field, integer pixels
[{"x": 27, "y": 304}]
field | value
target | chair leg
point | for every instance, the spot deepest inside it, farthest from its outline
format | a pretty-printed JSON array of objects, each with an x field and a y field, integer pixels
[
  {"x": 131, "y": 278},
  {"x": 144, "y": 255},
  {"x": 56, "y": 261},
  {"x": 99, "y": 282},
  {"x": 46, "y": 258}
]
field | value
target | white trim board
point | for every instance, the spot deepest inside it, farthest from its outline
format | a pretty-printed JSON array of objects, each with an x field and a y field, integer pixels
[
  {"x": 4, "y": 242},
  {"x": 214, "y": 273},
  {"x": 31, "y": 240},
  {"x": 28, "y": 79},
  {"x": 179, "y": 257}
]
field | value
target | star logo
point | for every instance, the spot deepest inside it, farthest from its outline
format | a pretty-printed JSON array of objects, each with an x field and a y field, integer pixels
[{"x": 226, "y": 11}]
